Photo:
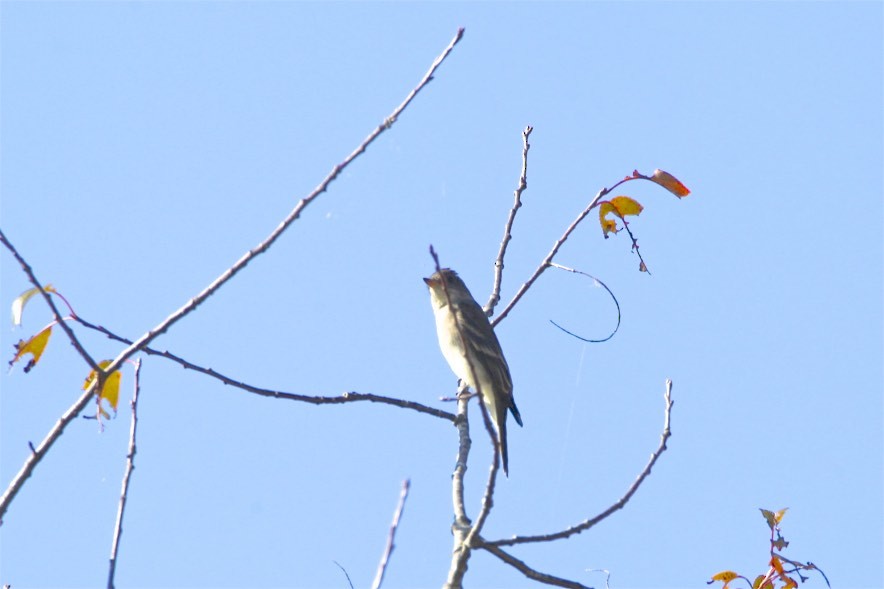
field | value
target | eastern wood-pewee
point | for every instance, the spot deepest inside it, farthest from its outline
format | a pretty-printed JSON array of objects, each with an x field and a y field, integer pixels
[{"x": 477, "y": 341}]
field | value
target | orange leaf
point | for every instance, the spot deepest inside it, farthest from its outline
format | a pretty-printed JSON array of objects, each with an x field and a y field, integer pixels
[
  {"x": 670, "y": 183},
  {"x": 110, "y": 392},
  {"x": 33, "y": 346},
  {"x": 725, "y": 576},
  {"x": 777, "y": 565},
  {"x": 18, "y": 305},
  {"x": 789, "y": 583}
]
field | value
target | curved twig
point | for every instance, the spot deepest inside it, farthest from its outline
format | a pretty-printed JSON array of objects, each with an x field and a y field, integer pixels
[
  {"x": 605, "y": 286},
  {"x": 620, "y": 503}
]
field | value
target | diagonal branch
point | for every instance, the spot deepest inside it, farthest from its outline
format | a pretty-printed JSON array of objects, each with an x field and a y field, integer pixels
[
  {"x": 531, "y": 573},
  {"x": 58, "y": 318},
  {"x": 388, "y": 550},
  {"x": 34, "y": 458},
  {"x": 620, "y": 503}
]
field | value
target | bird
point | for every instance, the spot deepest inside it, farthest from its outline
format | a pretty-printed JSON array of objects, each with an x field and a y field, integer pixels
[{"x": 486, "y": 371}]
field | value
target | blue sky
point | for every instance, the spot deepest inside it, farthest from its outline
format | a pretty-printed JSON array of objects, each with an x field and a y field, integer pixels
[{"x": 147, "y": 146}]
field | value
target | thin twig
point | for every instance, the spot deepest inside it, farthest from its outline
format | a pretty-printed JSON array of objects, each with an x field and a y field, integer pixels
[
  {"x": 555, "y": 249},
  {"x": 532, "y": 573},
  {"x": 388, "y": 550},
  {"x": 130, "y": 465},
  {"x": 642, "y": 265},
  {"x": 508, "y": 227},
  {"x": 34, "y": 458},
  {"x": 346, "y": 574},
  {"x": 620, "y": 503},
  {"x": 46, "y": 296}
]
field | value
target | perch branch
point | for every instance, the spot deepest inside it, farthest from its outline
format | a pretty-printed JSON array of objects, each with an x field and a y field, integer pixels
[{"x": 348, "y": 397}]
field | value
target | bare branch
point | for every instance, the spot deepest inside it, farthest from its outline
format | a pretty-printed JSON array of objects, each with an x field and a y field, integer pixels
[
  {"x": 58, "y": 318},
  {"x": 620, "y": 503},
  {"x": 508, "y": 227},
  {"x": 347, "y": 397},
  {"x": 130, "y": 465},
  {"x": 35, "y": 457},
  {"x": 385, "y": 558},
  {"x": 531, "y": 573}
]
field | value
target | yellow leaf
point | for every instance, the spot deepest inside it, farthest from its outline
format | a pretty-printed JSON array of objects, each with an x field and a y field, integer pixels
[
  {"x": 626, "y": 206},
  {"x": 789, "y": 583},
  {"x": 18, "y": 305},
  {"x": 33, "y": 346},
  {"x": 779, "y": 515},
  {"x": 670, "y": 183},
  {"x": 110, "y": 392},
  {"x": 725, "y": 576},
  {"x": 770, "y": 517},
  {"x": 620, "y": 206},
  {"x": 608, "y": 226}
]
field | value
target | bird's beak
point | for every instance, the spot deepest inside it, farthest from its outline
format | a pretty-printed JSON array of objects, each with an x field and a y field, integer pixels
[{"x": 430, "y": 282}]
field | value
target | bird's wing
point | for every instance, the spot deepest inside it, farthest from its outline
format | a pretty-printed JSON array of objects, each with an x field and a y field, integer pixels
[{"x": 482, "y": 340}]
